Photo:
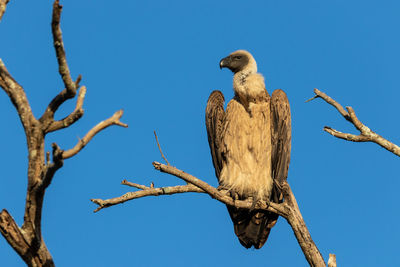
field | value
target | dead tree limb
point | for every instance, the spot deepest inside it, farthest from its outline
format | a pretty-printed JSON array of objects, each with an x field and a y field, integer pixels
[
  {"x": 288, "y": 209},
  {"x": 366, "y": 134},
  {"x": 332, "y": 260},
  {"x": 27, "y": 240},
  {"x": 3, "y": 4}
]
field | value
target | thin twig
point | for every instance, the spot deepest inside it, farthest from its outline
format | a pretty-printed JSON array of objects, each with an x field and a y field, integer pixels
[
  {"x": 113, "y": 120},
  {"x": 138, "y": 186},
  {"x": 159, "y": 148},
  {"x": 330, "y": 101},
  {"x": 366, "y": 134},
  {"x": 147, "y": 191}
]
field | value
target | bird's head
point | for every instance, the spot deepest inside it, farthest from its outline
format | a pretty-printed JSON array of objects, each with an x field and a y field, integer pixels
[{"x": 240, "y": 60}]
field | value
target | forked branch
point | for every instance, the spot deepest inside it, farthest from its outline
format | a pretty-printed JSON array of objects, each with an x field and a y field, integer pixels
[
  {"x": 70, "y": 86},
  {"x": 366, "y": 134},
  {"x": 71, "y": 118}
]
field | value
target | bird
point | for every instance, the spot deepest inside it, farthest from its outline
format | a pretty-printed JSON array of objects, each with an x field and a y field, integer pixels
[{"x": 250, "y": 145}]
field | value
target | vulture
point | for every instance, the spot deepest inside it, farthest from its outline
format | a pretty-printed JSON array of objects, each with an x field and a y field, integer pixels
[{"x": 250, "y": 145}]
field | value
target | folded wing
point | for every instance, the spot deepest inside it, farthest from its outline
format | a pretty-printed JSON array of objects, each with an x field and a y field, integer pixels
[{"x": 214, "y": 122}]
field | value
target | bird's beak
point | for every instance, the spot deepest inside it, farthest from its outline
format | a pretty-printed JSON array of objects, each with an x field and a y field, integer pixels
[{"x": 224, "y": 62}]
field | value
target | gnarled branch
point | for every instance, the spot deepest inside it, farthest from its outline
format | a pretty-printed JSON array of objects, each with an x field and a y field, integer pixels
[
  {"x": 10, "y": 230},
  {"x": 366, "y": 134},
  {"x": 17, "y": 96},
  {"x": 27, "y": 240}
]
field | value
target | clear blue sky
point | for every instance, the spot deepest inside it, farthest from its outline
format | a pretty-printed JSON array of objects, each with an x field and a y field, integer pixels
[{"x": 158, "y": 60}]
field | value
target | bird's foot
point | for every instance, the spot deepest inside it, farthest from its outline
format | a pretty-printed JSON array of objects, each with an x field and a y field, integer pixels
[
  {"x": 254, "y": 199},
  {"x": 230, "y": 192}
]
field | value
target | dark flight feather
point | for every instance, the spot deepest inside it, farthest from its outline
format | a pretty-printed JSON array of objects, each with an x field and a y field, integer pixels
[
  {"x": 281, "y": 135},
  {"x": 214, "y": 122}
]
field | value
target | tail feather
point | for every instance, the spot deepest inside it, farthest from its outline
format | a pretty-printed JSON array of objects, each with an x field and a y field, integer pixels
[{"x": 252, "y": 227}]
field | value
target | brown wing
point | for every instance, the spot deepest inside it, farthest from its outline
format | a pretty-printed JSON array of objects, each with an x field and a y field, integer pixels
[
  {"x": 214, "y": 121},
  {"x": 281, "y": 135}
]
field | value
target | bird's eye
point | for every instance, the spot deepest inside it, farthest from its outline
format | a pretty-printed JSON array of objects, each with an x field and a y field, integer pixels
[{"x": 238, "y": 57}]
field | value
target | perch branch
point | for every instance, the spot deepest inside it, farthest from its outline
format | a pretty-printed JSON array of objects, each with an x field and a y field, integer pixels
[
  {"x": 194, "y": 185},
  {"x": 366, "y": 134},
  {"x": 220, "y": 195},
  {"x": 3, "y": 4},
  {"x": 113, "y": 120},
  {"x": 288, "y": 209}
]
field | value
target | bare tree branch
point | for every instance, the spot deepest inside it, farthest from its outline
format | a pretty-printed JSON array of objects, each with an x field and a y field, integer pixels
[
  {"x": 330, "y": 101},
  {"x": 215, "y": 193},
  {"x": 17, "y": 96},
  {"x": 12, "y": 233},
  {"x": 52, "y": 125},
  {"x": 3, "y": 4},
  {"x": 366, "y": 134},
  {"x": 332, "y": 260},
  {"x": 70, "y": 86},
  {"x": 52, "y": 167},
  {"x": 144, "y": 192},
  {"x": 288, "y": 209},
  {"x": 113, "y": 120},
  {"x": 27, "y": 240},
  {"x": 47, "y": 118},
  {"x": 63, "y": 68},
  {"x": 300, "y": 230}
]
